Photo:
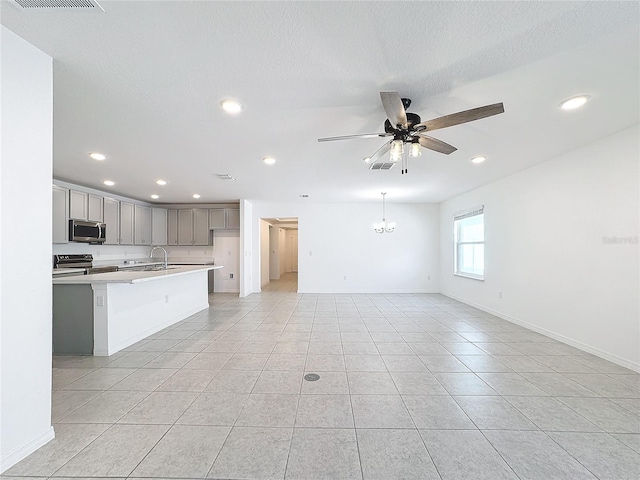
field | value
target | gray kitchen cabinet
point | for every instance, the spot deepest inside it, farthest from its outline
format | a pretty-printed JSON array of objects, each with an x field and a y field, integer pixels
[
  {"x": 142, "y": 225},
  {"x": 193, "y": 226},
  {"x": 78, "y": 205},
  {"x": 112, "y": 221},
  {"x": 200, "y": 226},
  {"x": 224, "y": 218},
  {"x": 95, "y": 204},
  {"x": 233, "y": 218},
  {"x": 159, "y": 226},
  {"x": 126, "y": 223},
  {"x": 185, "y": 227},
  {"x": 172, "y": 227},
  {"x": 60, "y": 215},
  {"x": 217, "y": 219}
]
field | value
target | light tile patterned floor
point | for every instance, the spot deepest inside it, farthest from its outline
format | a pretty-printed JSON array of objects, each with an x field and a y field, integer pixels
[{"x": 411, "y": 386}]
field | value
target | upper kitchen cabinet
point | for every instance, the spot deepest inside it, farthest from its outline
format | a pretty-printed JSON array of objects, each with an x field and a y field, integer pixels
[
  {"x": 224, "y": 218},
  {"x": 60, "y": 215},
  {"x": 200, "y": 226},
  {"x": 126, "y": 223},
  {"x": 193, "y": 226},
  {"x": 85, "y": 206},
  {"x": 217, "y": 219},
  {"x": 233, "y": 218},
  {"x": 112, "y": 221},
  {"x": 142, "y": 225},
  {"x": 95, "y": 208},
  {"x": 78, "y": 205},
  {"x": 159, "y": 226},
  {"x": 185, "y": 227},
  {"x": 172, "y": 227}
]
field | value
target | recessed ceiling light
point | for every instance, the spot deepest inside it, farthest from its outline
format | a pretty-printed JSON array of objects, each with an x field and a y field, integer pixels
[
  {"x": 231, "y": 106},
  {"x": 161, "y": 182},
  {"x": 366, "y": 159},
  {"x": 109, "y": 183},
  {"x": 574, "y": 102},
  {"x": 98, "y": 156},
  {"x": 155, "y": 197},
  {"x": 478, "y": 159},
  {"x": 269, "y": 160},
  {"x": 195, "y": 195}
]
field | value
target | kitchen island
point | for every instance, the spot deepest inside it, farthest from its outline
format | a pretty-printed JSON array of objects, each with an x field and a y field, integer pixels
[{"x": 103, "y": 313}]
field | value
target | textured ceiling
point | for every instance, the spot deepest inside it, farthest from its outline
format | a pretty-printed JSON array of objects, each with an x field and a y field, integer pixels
[{"x": 142, "y": 82}]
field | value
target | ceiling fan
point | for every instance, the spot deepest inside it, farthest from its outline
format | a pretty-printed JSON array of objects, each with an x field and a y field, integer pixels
[{"x": 408, "y": 128}]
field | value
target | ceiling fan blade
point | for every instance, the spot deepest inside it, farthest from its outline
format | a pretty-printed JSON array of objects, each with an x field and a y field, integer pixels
[
  {"x": 381, "y": 152},
  {"x": 347, "y": 137},
  {"x": 435, "y": 144},
  {"x": 462, "y": 117},
  {"x": 394, "y": 108}
]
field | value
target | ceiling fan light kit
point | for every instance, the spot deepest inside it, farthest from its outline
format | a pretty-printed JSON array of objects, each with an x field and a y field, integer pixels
[
  {"x": 409, "y": 128},
  {"x": 384, "y": 226}
]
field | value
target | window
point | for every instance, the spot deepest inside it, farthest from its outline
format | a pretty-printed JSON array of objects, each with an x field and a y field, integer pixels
[{"x": 468, "y": 233}]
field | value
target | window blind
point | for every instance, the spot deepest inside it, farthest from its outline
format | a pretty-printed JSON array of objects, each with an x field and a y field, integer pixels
[{"x": 469, "y": 213}]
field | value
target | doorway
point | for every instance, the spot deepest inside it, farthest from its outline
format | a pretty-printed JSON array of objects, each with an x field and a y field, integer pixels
[{"x": 278, "y": 249}]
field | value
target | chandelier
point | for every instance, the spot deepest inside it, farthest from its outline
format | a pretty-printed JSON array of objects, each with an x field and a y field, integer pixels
[{"x": 383, "y": 226}]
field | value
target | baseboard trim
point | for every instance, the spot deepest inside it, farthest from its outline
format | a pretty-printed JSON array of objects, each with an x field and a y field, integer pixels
[
  {"x": 23, "y": 451},
  {"x": 369, "y": 290},
  {"x": 556, "y": 336}
]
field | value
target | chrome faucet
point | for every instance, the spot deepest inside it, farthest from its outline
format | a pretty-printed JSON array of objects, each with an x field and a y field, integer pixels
[{"x": 165, "y": 254}]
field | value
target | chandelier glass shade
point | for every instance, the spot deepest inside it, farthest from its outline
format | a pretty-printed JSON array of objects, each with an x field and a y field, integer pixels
[{"x": 384, "y": 226}]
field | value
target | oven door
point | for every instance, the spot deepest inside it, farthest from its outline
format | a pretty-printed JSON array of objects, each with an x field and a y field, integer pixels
[{"x": 88, "y": 232}]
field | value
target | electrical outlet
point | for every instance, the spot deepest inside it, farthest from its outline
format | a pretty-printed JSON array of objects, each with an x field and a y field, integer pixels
[
  {"x": 166, "y": 299},
  {"x": 429, "y": 277},
  {"x": 499, "y": 294},
  {"x": 100, "y": 301},
  {"x": 231, "y": 276},
  {"x": 310, "y": 253}
]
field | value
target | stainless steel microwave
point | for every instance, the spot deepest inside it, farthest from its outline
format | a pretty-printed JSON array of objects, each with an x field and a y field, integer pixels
[{"x": 87, "y": 232}]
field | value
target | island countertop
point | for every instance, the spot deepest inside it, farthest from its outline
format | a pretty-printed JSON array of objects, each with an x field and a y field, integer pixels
[{"x": 127, "y": 276}]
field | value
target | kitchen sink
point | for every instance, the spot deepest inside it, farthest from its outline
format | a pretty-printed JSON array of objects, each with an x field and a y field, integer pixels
[{"x": 149, "y": 268}]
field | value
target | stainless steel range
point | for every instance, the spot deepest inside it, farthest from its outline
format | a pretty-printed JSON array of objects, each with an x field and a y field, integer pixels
[{"x": 78, "y": 264}]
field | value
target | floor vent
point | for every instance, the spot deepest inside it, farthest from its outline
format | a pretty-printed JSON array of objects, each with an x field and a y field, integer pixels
[
  {"x": 56, "y": 4},
  {"x": 382, "y": 166}
]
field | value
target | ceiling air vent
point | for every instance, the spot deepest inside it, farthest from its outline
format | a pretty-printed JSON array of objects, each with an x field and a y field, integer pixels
[
  {"x": 56, "y": 4},
  {"x": 382, "y": 166},
  {"x": 225, "y": 176}
]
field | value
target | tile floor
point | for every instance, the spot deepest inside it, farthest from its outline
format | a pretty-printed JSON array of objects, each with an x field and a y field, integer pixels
[{"x": 411, "y": 386}]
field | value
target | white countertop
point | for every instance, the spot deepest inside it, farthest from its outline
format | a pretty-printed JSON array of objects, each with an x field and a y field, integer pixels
[{"x": 125, "y": 276}]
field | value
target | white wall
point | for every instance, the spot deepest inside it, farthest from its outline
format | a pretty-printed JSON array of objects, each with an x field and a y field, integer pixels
[
  {"x": 291, "y": 238},
  {"x": 274, "y": 253},
  {"x": 282, "y": 249},
  {"x": 26, "y": 99},
  {"x": 342, "y": 243},
  {"x": 545, "y": 251},
  {"x": 264, "y": 253},
  {"x": 246, "y": 246}
]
